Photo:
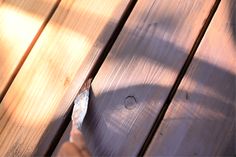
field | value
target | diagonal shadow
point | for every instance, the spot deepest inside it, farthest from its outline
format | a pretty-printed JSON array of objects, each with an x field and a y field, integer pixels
[
  {"x": 232, "y": 7},
  {"x": 100, "y": 117},
  {"x": 61, "y": 14},
  {"x": 139, "y": 41},
  {"x": 101, "y": 128}
]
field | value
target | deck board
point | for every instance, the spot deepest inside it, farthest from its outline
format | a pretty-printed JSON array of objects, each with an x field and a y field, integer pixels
[
  {"x": 43, "y": 90},
  {"x": 64, "y": 138},
  {"x": 136, "y": 77},
  {"x": 201, "y": 118},
  {"x": 18, "y": 28}
]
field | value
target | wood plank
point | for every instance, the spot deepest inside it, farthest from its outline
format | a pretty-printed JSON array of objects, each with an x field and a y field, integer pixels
[
  {"x": 18, "y": 28},
  {"x": 64, "y": 138},
  {"x": 35, "y": 105},
  {"x": 201, "y": 118},
  {"x": 136, "y": 77}
]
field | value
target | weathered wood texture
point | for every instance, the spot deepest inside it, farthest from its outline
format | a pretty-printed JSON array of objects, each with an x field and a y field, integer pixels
[
  {"x": 35, "y": 104},
  {"x": 19, "y": 23},
  {"x": 136, "y": 77},
  {"x": 201, "y": 118}
]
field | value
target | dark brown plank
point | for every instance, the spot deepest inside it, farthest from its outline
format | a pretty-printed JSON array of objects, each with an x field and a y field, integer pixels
[
  {"x": 136, "y": 77},
  {"x": 201, "y": 118}
]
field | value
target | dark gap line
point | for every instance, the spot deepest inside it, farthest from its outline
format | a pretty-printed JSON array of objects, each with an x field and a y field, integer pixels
[
  {"x": 20, "y": 64},
  {"x": 28, "y": 50},
  {"x": 180, "y": 76},
  {"x": 94, "y": 70}
]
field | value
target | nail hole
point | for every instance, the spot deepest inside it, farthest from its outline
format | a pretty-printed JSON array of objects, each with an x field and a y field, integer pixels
[{"x": 130, "y": 102}]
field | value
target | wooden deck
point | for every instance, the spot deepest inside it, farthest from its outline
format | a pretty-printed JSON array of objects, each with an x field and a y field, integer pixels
[{"x": 164, "y": 76}]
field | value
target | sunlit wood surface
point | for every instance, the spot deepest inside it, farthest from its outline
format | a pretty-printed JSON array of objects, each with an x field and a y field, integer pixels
[
  {"x": 201, "y": 117},
  {"x": 133, "y": 82},
  {"x": 19, "y": 23},
  {"x": 38, "y": 96}
]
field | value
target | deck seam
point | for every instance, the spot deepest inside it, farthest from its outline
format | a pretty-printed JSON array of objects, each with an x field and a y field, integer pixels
[
  {"x": 93, "y": 72},
  {"x": 178, "y": 80},
  {"x": 28, "y": 50}
]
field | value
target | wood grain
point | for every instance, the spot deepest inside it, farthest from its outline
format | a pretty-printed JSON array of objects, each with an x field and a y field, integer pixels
[
  {"x": 18, "y": 28},
  {"x": 136, "y": 77},
  {"x": 35, "y": 104},
  {"x": 201, "y": 118}
]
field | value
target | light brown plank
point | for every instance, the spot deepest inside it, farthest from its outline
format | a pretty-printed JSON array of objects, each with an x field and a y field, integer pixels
[
  {"x": 35, "y": 104},
  {"x": 136, "y": 77},
  {"x": 18, "y": 28},
  {"x": 201, "y": 118}
]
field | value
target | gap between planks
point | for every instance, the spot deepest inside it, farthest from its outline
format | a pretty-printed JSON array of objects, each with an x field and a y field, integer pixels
[
  {"x": 182, "y": 72},
  {"x": 201, "y": 118},
  {"x": 112, "y": 127},
  {"x": 27, "y": 52},
  {"x": 92, "y": 73},
  {"x": 18, "y": 136}
]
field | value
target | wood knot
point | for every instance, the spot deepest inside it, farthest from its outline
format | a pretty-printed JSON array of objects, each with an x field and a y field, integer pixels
[{"x": 66, "y": 81}]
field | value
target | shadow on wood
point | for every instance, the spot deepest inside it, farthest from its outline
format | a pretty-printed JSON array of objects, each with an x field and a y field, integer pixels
[
  {"x": 113, "y": 118},
  {"x": 47, "y": 76},
  {"x": 232, "y": 7}
]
